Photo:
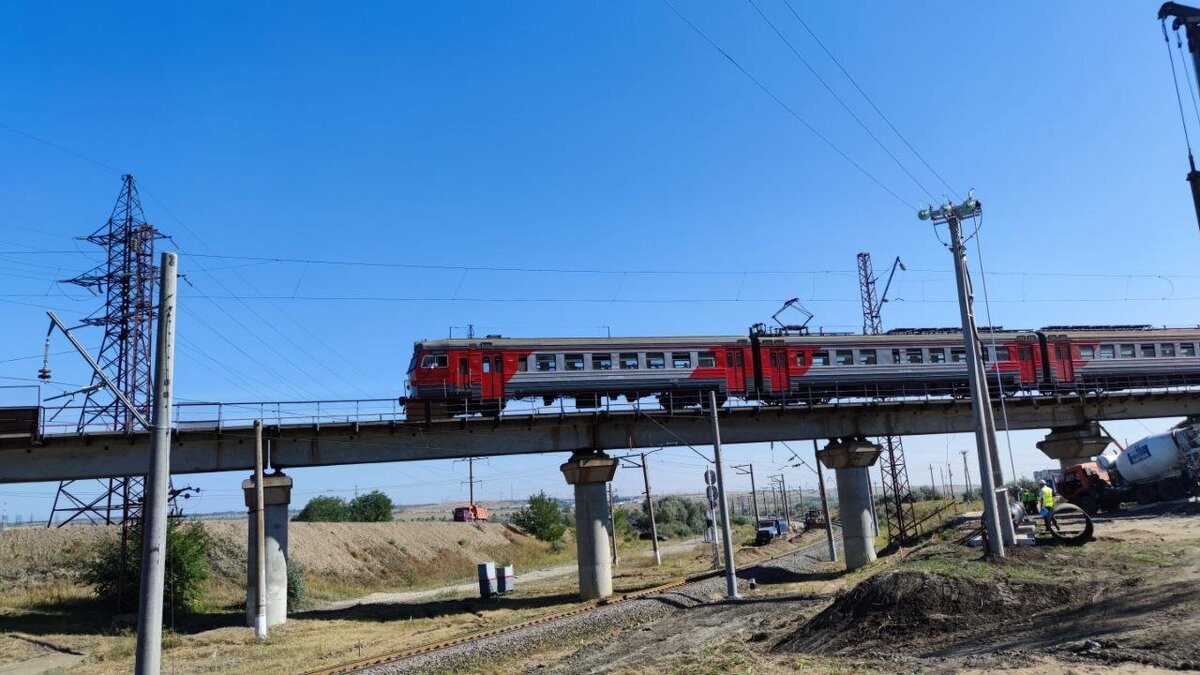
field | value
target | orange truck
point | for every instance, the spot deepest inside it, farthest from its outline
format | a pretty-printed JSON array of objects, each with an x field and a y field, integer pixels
[{"x": 469, "y": 514}]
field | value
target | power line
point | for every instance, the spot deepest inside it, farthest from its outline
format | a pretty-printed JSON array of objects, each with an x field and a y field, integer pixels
[
  {"x": 787, "y": 107},
  {"x": 837, "y": 98},
  {"x": 867, "y": 98}
]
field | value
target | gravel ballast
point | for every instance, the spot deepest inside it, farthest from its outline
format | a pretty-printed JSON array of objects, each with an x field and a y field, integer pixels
[{"x": 478, "y": 654}]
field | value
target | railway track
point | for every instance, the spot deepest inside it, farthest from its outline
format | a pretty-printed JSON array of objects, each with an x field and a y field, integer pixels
[{"x": 362, "y": 664}]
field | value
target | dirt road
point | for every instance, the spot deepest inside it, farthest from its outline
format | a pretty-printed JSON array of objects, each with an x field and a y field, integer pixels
[{"x": 471, "y": 588}]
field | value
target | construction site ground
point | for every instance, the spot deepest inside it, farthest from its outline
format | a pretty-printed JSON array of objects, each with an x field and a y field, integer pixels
[
  {"x": 1123, "y": 603},
  {"x": 1128, "y": 602}
]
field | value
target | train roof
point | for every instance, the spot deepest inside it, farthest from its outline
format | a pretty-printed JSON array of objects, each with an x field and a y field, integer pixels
[
  {"x": 901, "y": 336},
  {"x": 697, "y": 341}
]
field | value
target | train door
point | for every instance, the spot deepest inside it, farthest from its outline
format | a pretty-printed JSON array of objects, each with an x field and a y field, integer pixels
[
  {"x": 735, "y": 371},
  {"x": 491, "y": 370},
  {"x": 1064, "y": 367},
  {"x": 777, "y": 370}
]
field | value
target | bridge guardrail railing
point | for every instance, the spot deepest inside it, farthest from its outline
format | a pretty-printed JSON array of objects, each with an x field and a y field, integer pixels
[{"x": 215, "y": 415}]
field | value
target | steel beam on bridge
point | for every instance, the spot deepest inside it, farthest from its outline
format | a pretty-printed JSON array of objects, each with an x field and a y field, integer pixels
[{"x": 71, "y": 456}]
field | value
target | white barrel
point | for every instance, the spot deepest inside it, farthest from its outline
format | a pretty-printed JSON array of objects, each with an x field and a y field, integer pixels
[{"x": 1149, "y": 459}]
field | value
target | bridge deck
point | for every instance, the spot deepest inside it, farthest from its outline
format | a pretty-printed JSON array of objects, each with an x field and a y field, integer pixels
[{"x": 198, "y": 450}]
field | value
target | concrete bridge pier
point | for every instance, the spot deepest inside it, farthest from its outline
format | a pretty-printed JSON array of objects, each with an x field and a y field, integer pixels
[
  {"x": 851, "y": 460},
  {"x": 590, "y": 472},
  {"x": 277, "y": 495},
  {"x": 1074, "y": 445}
]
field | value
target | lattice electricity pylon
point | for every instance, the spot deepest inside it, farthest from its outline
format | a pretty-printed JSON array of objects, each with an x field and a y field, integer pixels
[
  {"x": 897, "y": 496},
  {"x": 128, "y": 281}
]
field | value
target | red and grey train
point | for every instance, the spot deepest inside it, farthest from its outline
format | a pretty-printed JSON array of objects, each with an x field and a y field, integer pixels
[{"x": 455, "y": 376}]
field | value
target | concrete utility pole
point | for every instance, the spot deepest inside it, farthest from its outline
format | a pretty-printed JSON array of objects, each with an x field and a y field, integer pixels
[
  {"x": 260, "y": 596},
  {"x": 649, "y": 504},
  {"x": 154, "y": 523},
  {"x": 824, "y": 504},
  {"x": 995, "y": 510},
  {"x": 744, "y": 469},
  {"x": 932, "y": 483},
  {"x": 730, "y": 572},
  {"x": 950, "y": 472},
  {"x": 612, "y": 527},
  {"x": 966, "y": 471}
]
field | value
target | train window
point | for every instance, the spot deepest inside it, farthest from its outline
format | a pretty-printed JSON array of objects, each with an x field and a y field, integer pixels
[
  {"x": 1167, "y": 349},
  {"x": 545, "y": 362},
  {"x": 1127, "y": 351},
  {"x": 737, "y": 359},
  {"x": 937, "y": 355},
  {"x": 681, "y": 359},
  {"x": 1002, "y": 354},
  {"x": 772, "y": 359},
  {"x": 1063, "y": 352},
  {"x": 1147, "y": 351},
  {"x": 656, "y": 360},
  {"x": 487, "y": 365},
  {"x": 913, "y": 356},
  {"x": 867, "y": 357},
  {"x": 958, "y": 354},
  {"x": 629, "y": 361},
  {"x": 820, "y": 358},
  {"x": 729, "y": 359},
  {"x": 1087, "y": 352},
  {"x": 1187, "y": 348},
  {"x": 573, "y": 361},
  {"x": 522, "y": 364},
  {"x": 800, "y": 359},
  {"x": 463, "y": 368},
  {"x": 985, "y": 353},
  {"x": 601, "y": 361},
  {"x": 435, "y": 361},
  {"x": 844, "y": 357},
  {"x": 1025, "y": 354},
  {"x": 707, "y": 360},
  {"x": 1108, "y": 351},
  {"x": 499, "y": 364}
]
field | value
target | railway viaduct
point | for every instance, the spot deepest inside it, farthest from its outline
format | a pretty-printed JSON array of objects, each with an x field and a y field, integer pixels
[{"x": 584, "y": 437}]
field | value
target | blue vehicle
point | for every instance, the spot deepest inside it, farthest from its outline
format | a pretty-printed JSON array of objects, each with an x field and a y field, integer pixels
[{"x": 769, "y": 529}]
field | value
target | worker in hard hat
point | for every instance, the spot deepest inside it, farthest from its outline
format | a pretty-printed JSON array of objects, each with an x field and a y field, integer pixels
[{"x": 1045, "y": 501}]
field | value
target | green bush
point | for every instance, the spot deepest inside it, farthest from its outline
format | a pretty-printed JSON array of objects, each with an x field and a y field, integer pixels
[
  {"x": 324, "y": 509},
  {"x": 186, "y": 571},
  {"x": 373, "y": 507},
  {"x": 297, "y": 589},
  {"x": 542, "y": 517}
]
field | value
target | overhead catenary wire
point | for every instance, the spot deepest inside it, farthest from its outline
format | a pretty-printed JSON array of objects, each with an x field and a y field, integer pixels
[
  {"x": 841, "y": 102},
  {"x": 867, "y": 98},
  {"x": 788, "y": 109}
]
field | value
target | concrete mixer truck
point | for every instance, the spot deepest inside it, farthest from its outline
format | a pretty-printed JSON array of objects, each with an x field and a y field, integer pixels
[{"x": 1161, "y": 467}]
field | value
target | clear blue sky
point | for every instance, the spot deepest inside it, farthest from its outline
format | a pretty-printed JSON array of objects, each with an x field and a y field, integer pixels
[{"x": 580, "y": 136}]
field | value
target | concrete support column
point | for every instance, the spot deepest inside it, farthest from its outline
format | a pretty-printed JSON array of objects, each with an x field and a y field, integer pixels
[
  {"x": 851, "y": 459},
  {"x": 590, "y": 473},
  {"x": 1074, "y": 445},
  {"x": 277, "y": 496},
  {"x": 854, "y": 506}
]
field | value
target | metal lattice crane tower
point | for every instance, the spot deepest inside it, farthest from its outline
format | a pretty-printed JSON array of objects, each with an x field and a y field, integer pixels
[
  {"x": 127, "y": 280},
  {"x": 901, "y": 516}
]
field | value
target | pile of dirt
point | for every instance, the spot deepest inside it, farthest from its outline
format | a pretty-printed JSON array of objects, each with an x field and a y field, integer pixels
[{"x": 900, "y": 606}]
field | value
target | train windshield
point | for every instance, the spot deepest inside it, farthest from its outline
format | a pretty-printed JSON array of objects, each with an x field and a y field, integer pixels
[{"x": 435, "y": 361}]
